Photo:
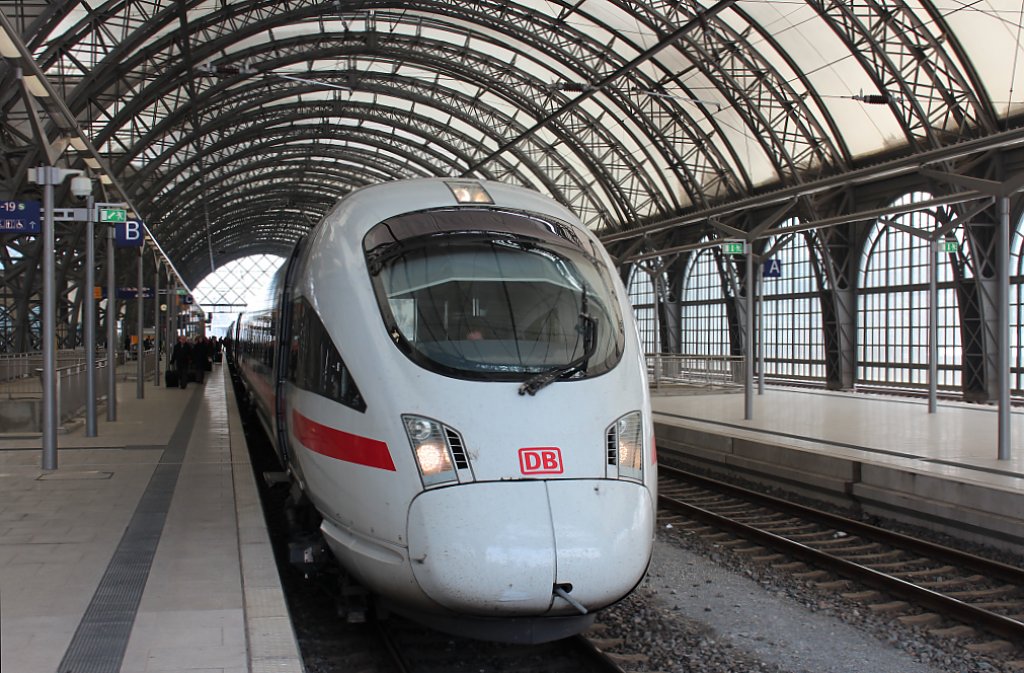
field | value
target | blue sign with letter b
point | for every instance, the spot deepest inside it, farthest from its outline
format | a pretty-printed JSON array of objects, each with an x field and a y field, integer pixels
[{"x": 128, "y": 234}]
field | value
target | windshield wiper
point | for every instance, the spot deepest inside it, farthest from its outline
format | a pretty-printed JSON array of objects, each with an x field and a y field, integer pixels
[{"x": 588, "y": 328}]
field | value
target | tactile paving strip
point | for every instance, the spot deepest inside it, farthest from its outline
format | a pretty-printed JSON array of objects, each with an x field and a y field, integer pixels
[{"x": 101, "y": 638}]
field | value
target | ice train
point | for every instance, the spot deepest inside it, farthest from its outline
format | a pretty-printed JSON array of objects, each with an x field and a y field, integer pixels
[{"x": 450, "y": 372}]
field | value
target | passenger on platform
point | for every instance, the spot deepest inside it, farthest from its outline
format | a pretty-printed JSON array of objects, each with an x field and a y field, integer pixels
[
  {"x": 216, "y": 345},
  {"x": 181, "y": 360},
  {"x": 200, "y": 358}
]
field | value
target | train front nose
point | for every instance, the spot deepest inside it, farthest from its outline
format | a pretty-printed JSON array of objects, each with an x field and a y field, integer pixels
[{"x": 500, "y": 548}]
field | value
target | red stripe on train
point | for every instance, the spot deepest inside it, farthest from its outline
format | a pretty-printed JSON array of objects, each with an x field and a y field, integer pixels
[{"x": 341, "y": 445}]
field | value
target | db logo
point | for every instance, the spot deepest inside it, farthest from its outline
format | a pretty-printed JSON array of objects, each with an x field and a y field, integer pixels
[{"x": 541, "y": 460}]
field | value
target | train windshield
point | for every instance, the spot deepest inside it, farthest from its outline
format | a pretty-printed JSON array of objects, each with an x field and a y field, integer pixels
[{"x": 492, "y": 295}]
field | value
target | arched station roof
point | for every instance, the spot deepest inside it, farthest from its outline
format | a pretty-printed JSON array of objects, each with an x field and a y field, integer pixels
[{"x": 232, "y": 126}]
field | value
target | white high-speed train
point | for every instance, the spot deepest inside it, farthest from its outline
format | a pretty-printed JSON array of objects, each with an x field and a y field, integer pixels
[{"x": 450, "y": 371}]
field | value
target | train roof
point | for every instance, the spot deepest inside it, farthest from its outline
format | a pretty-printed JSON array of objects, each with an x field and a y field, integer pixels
[{"x": 366, "y": 207}]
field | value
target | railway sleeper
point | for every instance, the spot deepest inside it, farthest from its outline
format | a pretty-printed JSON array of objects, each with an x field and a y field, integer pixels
[
  {"x": 623, "y": 660},
  {"x": 911, "y": 574},
  {"x": 605, "y": 644},
  {"x": 890, "y": 607},
  {"x": 921, "y": 619},
  {"x": 833, "y": 585},
  {"x": 996, "y": 606},
  {"x": 812, "y": 575},
  {"x": 952, "y": 582},
  {"x": 956, "y": 631},
  {"x": 870, "y": 559},
  {"x": 861, "y": 596},
  {"x": 839, "y": 541},
  {"x": 990, "y": 647},
  {"x": 902, "y": 566},
  {"x": 984, "y": 593},
  {"x": 869, "y": 550}
]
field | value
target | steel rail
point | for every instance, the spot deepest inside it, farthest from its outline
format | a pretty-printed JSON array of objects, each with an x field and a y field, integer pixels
[{"x": 990, "y": 621}]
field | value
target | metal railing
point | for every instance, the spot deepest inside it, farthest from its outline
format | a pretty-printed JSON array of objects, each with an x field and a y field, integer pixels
[
  {"x": 72, "y": 390},
  {"x": 28, "y": 382},
  {"x": 15, "y": 366},
  {"x": 672, "y": 372}
]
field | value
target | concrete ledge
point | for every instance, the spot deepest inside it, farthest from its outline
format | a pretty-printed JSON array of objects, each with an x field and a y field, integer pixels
[
  {"x": 811, "y": 475},
  {"x": 271, "y": 639},
  {"x": 19, "y": 416},
  {"x": 971, "y": 511},
  {"x": 983, "y": 514}
]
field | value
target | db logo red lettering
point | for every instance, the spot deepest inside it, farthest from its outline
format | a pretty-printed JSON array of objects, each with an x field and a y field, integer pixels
[{"x": 541, "y": 460}]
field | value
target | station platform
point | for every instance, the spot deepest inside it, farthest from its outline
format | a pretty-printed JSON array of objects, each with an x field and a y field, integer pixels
[
  {"x": 146, "y": 550},
  {"x": 886, "y": 453}
]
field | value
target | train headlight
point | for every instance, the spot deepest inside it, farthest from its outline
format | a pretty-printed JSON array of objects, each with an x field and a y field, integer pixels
[
  {"x": 433, "y": 457},
  {"x": 625, "y": 445}
]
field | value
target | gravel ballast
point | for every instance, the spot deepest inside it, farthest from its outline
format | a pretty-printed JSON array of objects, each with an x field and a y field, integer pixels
[{"x": 702, "y": 611}]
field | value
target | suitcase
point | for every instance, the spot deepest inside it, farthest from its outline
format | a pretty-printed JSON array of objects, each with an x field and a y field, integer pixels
[{"x": 171, "y": 378}]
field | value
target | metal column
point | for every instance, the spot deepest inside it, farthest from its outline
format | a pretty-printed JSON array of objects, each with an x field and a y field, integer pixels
[
  {"x": 748, "y": 383},
  {"x": 46, "y": 176},
  {"x": 933, "y": 326},
  {"x": 172, "y": 317},
  {"x": 89, "y": 305},
  {"x": 760, "y": 329},
  {"x": 156, "y": 321},
  {"x": 111, "y": 330},
  {"x": 140, "y": 306},
  {"x": 1003, "y": 336}
]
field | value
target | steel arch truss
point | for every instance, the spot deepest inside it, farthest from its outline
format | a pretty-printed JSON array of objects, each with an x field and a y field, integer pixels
[{"x": 235, "y": 125}]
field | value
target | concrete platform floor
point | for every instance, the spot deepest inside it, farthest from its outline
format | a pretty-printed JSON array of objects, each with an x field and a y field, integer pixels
[{"x": 146, "y": 549}]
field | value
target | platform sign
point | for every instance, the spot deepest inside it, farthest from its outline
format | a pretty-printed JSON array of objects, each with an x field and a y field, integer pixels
[
  {"x": 20, "y": 217},
  {"x": 133, "y": 292},
  {"x": 128, "y": 234},
  {"x": 734, "y": 248},
  {"x": 113, "y": 215},
  {"x": 772, "y": 268},
  {"x": 948, "y": 246}
]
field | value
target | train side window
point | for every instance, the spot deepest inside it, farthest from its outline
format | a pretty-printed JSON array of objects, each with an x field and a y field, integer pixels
[{"x": 318, "y": 366}]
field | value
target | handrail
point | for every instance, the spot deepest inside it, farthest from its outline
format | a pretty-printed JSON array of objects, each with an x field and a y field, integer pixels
[{"x": 674, "y": 371}]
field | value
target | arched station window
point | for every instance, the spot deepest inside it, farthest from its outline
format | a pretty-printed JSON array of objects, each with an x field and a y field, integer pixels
[
  {"x": 237, "y": 286},
  {"x": 1017, "y": 310},
  {"x": 892, "y": 307},
  {"x": 641, "y": 296},
  {"x": 705, "y": 325},
  {"x": 793, "y": 343}
]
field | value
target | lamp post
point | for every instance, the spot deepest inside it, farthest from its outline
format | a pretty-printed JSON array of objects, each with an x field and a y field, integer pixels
[{"x": 47, "y": 177}]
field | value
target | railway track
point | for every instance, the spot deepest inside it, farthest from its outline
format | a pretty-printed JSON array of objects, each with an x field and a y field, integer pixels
[
  {"x": 947, "y": 592},
  {"x": 417, "y": 649}
]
